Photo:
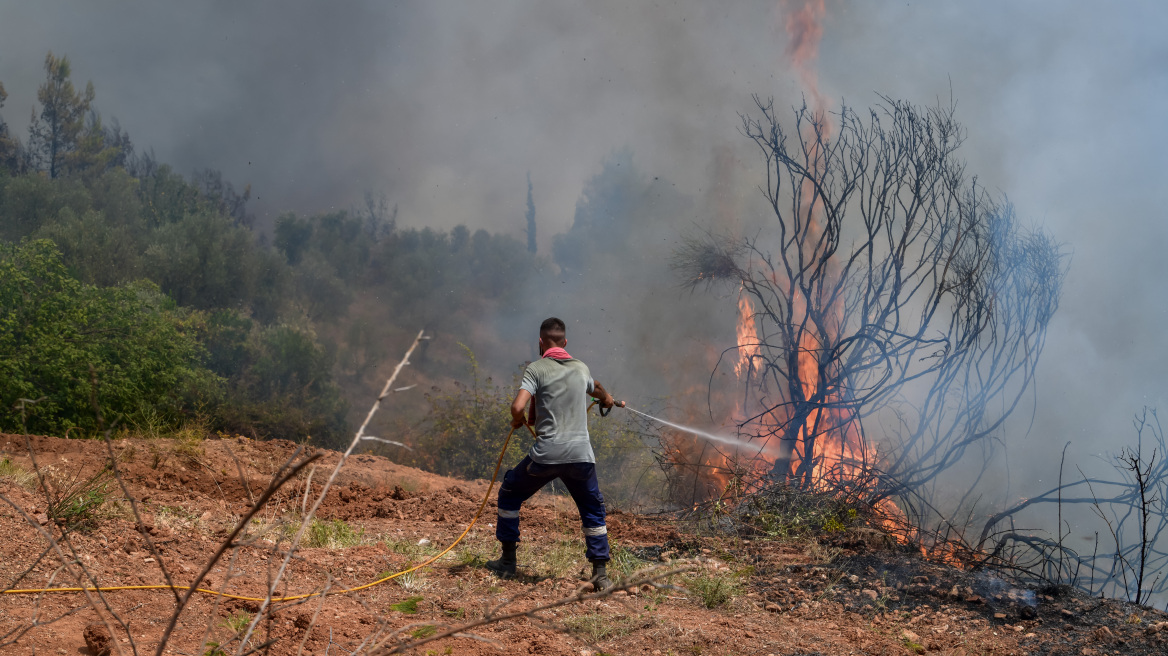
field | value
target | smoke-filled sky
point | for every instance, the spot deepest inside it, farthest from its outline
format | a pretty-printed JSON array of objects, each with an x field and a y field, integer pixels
[{"x": 445, "y": 107}]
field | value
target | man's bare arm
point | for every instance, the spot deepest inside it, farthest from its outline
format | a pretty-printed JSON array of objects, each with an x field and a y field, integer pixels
[
  {"x": 602, "y": 395},
  {"x": 518, "y": 406}
]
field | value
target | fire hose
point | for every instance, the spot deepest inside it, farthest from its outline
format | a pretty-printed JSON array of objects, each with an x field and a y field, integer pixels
[{"x": 307, "y": 595}]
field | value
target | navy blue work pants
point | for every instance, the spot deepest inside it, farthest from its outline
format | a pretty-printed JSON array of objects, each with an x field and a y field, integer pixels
[{"x": 529, "y": 477}]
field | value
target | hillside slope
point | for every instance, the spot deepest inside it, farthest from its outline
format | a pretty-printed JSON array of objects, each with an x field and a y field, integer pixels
[{"x": 847, "y": 594}]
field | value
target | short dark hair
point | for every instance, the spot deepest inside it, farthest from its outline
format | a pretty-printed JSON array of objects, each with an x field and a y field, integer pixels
[{"x": 553, "y": 327}]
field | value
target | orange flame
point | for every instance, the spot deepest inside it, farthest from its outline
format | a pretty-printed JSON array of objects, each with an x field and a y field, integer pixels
[
  {"x": 804, "y": 23},
  {"x": 747, "y": 338},
  {"x": 829, "y": 449}
]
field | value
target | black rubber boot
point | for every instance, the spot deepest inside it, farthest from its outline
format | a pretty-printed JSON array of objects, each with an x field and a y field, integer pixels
[
  {"x": 600, "y": 581},
  {"x": 504, "y": 566}
]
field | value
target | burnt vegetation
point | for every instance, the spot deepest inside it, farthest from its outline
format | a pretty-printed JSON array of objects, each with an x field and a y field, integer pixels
[{"x": 897, "y": 311}]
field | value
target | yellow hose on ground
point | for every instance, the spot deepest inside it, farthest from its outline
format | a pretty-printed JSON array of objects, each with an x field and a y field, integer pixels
[{"x": 482, "y": 505}]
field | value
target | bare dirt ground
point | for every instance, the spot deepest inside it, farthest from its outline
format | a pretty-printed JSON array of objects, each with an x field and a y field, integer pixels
[{"x": 847, "y": 593}]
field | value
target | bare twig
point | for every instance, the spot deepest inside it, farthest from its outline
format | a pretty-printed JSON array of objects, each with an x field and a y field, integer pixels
[{"x": 307, "y": 519}]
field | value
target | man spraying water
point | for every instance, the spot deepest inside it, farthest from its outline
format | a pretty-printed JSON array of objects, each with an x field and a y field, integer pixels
[{"x": 558, "y": 386}]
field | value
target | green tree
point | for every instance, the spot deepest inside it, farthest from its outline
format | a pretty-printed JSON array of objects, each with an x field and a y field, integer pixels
[
  {"x": 466, "y": 429},
  {"x": 10, "y": 150},
  {"x": 54, "y": 134},
  {"x": 92, "y": 155},
  {"x": 203, "y": 261},
  {"x": 281, "y": 384},
  {"x": 53, "y": 329}
]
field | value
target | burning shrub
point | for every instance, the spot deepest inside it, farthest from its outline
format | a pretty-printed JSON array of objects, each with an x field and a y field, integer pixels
[{"x": 891, "y": 313}]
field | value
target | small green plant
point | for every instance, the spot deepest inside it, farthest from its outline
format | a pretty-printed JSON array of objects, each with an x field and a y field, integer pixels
[
  {"x": 472, "y": 558},
  {"x": 625, "y": 563},
  {"x": 714, "y": 589},
  {"x": 77, "y": 499},
  {"x": 213, "y": 649},
  {"x": 407, "y": 606},
  {"x": 238, "y": 621},
  {"x": 17, "y": 475},
  {"x": 147, "y": 423},
  {"x": 332, "y": 534},
  {"x": 913, "y": 646},
  {"x": 424, "y": 631}
]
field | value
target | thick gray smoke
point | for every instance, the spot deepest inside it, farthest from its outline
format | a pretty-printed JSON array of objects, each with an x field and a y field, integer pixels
[{"x": 445, "y": 107}]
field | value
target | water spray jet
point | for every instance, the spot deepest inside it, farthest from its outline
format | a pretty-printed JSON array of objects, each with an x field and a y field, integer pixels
[{"x": 713, "y": 437}]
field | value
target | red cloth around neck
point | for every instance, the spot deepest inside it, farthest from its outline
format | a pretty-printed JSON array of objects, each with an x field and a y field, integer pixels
[{"x": 557, "y": 353}]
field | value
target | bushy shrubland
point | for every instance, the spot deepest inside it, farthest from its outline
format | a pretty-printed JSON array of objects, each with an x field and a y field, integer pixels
[
  {"x": 54, "y": 329},
  {"x": 163, "y": 284}
]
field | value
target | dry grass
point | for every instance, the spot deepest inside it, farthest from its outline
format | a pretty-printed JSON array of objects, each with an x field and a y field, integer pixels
[
  {"x": 177, "y": 519},
  {"x": 415, "y": 552},
  {"x": 12, "y": 473},
  {"x": 595, "y": 627},
  {"x": 412, "y": 582},
  {"x": 714, "y": 589},
  {"x": 561, "y": 559}
]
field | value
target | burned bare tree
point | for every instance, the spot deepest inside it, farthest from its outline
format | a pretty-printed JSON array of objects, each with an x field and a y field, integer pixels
[
  {"x": 889, "y": 289},
  {"x": 1133, "y": 523}
]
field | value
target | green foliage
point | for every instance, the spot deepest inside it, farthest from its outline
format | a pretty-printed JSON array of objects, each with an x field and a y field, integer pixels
[
  {"x": 624, "y": 563},
  {"x": 54, "y": 134},
  {"x": 332, "y": 534},
  {"x": 558, "y": 560},
  {"x": 466, "y": 429},
  {"x": 238, "y": 621},
  {"x": 424, "y": 631},
  {"x": 204, "y": 261},
  {"x": 76, "y": 500},
  {"x": 282, "y": 386},
  {"x": 252, "y": 338},
  {"x": 408, "y": 606},
  {"x": 54, "y": 328},
  {"x": 714, "y": 589}
]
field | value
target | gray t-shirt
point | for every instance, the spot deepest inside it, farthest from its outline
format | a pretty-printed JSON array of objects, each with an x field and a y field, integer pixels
[{"x": 560, "y": 389}]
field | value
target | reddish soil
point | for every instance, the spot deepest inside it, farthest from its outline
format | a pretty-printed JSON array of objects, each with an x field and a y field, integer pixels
[{"x": 851, "y": 594}]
